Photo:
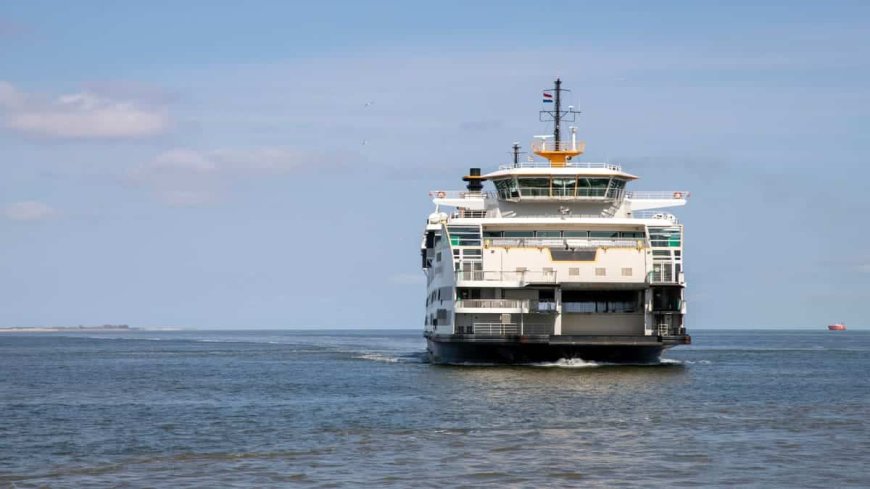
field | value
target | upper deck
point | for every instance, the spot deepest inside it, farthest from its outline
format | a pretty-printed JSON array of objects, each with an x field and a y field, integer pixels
[
  {"x": 557, "y": 187},
  {"x": 577, "y": 168}
]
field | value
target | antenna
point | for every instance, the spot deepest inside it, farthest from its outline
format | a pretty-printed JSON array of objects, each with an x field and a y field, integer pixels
[
  {"x": 516, "y": 152},
  {"x": 557, "y": 115}
]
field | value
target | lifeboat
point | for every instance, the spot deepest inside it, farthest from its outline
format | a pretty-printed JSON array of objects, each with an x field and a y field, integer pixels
[{"x": 837, "y": 327}]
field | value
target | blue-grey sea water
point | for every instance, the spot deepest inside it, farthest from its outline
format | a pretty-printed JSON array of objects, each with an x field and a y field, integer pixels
[{"x": 362, "y": 409}]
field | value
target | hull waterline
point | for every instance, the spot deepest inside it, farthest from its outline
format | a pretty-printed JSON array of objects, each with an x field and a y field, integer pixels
[{"x": 512, "y": 351}]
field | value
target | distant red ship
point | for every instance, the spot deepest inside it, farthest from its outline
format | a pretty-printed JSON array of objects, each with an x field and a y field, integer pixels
[{"x": 837, "y": 327}]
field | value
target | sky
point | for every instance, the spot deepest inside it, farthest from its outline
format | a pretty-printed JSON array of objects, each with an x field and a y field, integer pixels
[{"x": 266, "y": 164}]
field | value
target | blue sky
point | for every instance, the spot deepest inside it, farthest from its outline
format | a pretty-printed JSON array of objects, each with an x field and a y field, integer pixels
[{"x": 212, "y": 165}]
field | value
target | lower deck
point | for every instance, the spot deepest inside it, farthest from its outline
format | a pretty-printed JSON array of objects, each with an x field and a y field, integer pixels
[{"x": 649, "y": 312}]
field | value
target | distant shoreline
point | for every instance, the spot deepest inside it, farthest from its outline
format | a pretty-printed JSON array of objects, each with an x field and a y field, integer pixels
[{"x": 69, "y": 329}]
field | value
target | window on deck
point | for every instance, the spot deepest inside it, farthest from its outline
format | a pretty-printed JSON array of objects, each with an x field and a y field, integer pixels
[
  {"x": 592, "y": 187},
  {"x": 564, "y": 187},
  {"x": 534, "y": 187}
]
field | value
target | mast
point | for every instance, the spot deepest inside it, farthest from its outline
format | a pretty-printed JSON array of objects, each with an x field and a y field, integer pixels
[
  {"x": 559, "y": 153},
  {"x": 557, "y": 115}
]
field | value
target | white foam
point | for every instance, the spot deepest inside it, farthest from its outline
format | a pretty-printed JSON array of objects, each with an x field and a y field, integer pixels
[
  {"x": 568, "y": 363},
  {"x": 377, "y": 357},
  {"x": 671, "y": 361}
]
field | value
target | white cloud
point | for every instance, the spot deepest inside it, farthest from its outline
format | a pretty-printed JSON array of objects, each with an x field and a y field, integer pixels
[
  {"x": 180, "y": 177},
  {"x": 186, "y": 177},
  {"x": 29, "y": 210},
  {"x": 260, "y": 159},
  {"x": 83, "y": 115},
  {"x": 182, "y": 160},
  {"x": 10, "y": 97}
]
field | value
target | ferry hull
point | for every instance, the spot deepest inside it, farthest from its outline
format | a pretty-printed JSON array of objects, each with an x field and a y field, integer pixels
[{"x": 495, "y": 351}]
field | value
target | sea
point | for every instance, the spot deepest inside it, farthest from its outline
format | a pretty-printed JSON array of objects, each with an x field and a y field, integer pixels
[{"x": 358, "y": 408}]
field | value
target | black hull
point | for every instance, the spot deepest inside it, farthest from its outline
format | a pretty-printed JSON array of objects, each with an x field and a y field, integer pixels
[{"x": 453, "y": 350}]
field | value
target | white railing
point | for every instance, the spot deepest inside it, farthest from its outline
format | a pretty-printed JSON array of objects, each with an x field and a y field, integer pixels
[
  {"x": 512, "y": 215},
  {"x": 471, "y": 214},
  {"x": 520, "y": 305},
  {"x": 665, "y": 275},
  {"x": 559, "y": 194},
  {"x": 553, "y": 145},
  {"x": 528, "y": 276},
  {"x": 501, "y": 329},
  {"x": 496, "y": 328},
  {"x": 460, "y": 194},
  {"x": 655, "y": 214},
  {"x": 570, "y": 164},
  {"x": 658, "y": 195},
  {"x": 562, "y": 243}
]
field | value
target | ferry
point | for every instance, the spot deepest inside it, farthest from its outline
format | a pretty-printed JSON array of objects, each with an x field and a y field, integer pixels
[
  {"x": 558, "y": 260},
  {"x": 837, "y": 327}
]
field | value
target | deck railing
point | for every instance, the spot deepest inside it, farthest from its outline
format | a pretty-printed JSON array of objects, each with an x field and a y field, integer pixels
[
  {"x": 564, "y": 243},
  {"x": 502, "y": 329},
  {"x": 546, "y": 144},
  {"x": 658, "y": 195},
  {"x": 460, "y": 194},
  {"x": 546, "y": 193},
  {"x": 528, "y": 276},
  {"x": 656, "y": 214},
  {"x": 664, "y": 275},
  {"x": 519, "y": 305},
  {"x": 496, "y": 329},
  {"x": 570, "y": 164}
]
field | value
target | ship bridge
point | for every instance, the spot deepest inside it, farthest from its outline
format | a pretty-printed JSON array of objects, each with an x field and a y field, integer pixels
[{"x": 571, "y": 181}]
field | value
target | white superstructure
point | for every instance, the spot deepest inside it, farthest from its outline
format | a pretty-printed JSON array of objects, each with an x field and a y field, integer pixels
[{"x": 558, "y": 252}]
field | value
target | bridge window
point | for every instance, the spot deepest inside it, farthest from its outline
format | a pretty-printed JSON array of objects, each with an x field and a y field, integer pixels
[
  {"x": 592, "y": 187},
  {"x": 534, "y": 187},
  {"x": 616, "y": 188},
  {"x": 564, "y": 187},
  {"x": 503, "y": 187}
]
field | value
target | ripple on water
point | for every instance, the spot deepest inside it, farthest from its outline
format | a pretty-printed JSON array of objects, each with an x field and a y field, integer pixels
[{"x": 350, "y": 410}]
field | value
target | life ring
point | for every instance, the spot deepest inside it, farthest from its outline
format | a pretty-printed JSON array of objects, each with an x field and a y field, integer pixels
[
  {"x": 441, "y": 195},
  {"x": 678, "y": 195}
]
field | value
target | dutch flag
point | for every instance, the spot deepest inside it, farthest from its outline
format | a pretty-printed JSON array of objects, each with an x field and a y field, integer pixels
[{"x": 548, "y": 98}]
